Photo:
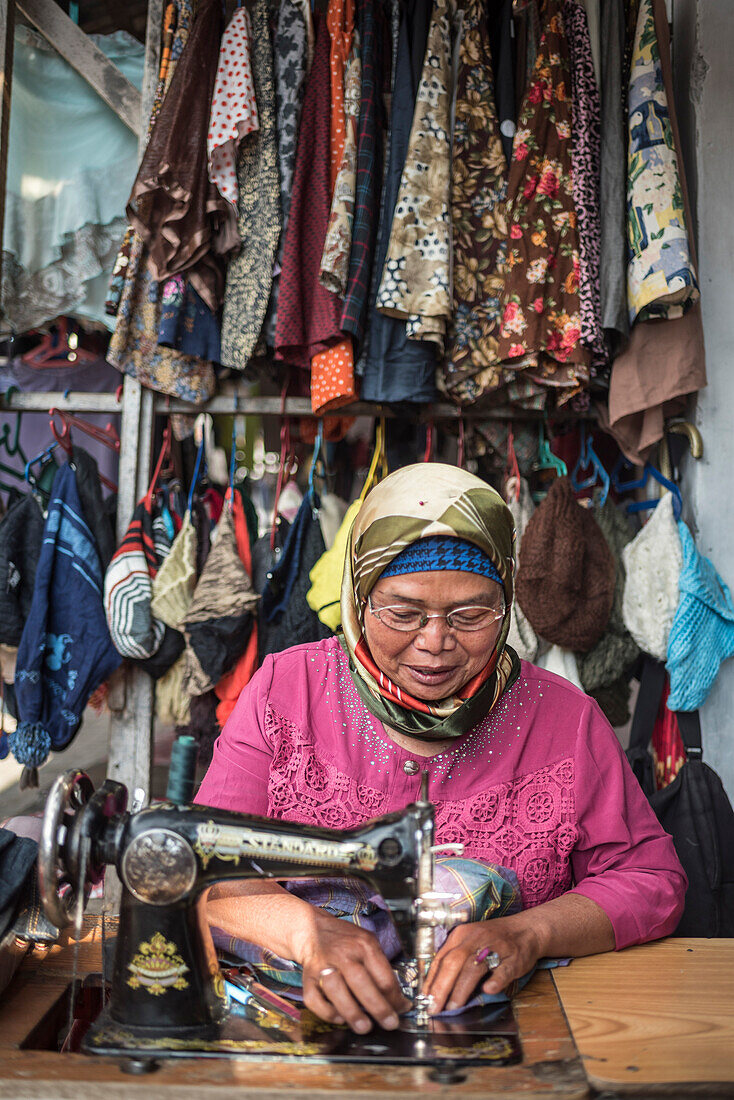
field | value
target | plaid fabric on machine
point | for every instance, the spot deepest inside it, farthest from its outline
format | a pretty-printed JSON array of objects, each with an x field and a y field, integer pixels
[{"x": 369, "y": 170}]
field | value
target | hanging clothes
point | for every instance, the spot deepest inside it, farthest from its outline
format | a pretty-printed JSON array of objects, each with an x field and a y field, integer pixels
[
  {"x": 233, "y": 113},
  {"x": 396, "y": 368},
  {"x": 541, "y": 322},
  {"x": 21, "y": 538},
  {"x": 665, "y": 361},
  {"x": 292, "y": 62},
  {"x": 338, "y": 243},
  {"x": 174, "y": 207},
  {"x": 370, "y": 26},
  {"x": 332, "y": 370},
  {"x": 478, "y": 190},
  {"x": 134, "y": 346},
  {"x": 65, "y": 652},
  {"x": 502, "y": 52},
  {"x": 69, "y": 174},
  {"x": 250, "y": 273},
  {"x": 415, "y": 283},
  {"x": 613, "y": 259},
  {"x": 586, "y": 161},
  {"x": 308, "y": 315},
  {"x": 229, "y": 687},
  {"x": 187, "y": 324},
  {"x": 661, "y": 277}
]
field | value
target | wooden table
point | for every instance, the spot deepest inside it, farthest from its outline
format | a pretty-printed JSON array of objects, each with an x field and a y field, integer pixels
[
  {"x": 656, "y": 1017},
  {"x": 605, "y": 999}
]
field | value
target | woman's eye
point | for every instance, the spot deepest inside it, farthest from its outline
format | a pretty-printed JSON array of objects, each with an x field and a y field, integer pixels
[{"x": 403, "y": 616}]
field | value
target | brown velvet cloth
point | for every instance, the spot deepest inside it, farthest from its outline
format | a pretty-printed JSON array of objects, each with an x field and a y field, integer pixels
[
  {"x": 174, "y": 207},
  {"x": 664, "y": 362},
  {"x": 566, "y": 572}
]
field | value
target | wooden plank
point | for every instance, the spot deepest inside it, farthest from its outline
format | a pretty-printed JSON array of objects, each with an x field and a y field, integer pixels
[
  {"x": 74, "y": 402},
  {"x": 660, "y": 1015},
  {"x": 7, "y": 31},
  {"x": 88, "y": 60}
]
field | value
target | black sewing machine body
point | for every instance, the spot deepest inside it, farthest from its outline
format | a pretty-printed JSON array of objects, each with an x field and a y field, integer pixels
[{"x": 167, "y": 991}]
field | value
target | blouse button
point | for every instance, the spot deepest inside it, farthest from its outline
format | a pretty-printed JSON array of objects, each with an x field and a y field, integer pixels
[{"x": 410, "y": 767}]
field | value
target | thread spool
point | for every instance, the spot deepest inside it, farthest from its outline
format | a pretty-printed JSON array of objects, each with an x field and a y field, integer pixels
[{"x": 182, "y": 770}]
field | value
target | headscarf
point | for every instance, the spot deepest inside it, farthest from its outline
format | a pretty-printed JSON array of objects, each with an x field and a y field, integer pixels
[{"x": 418, "y": 502}]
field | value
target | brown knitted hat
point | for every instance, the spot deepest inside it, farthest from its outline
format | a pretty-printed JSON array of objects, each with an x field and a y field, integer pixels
[{"x": 565, "y": 577}]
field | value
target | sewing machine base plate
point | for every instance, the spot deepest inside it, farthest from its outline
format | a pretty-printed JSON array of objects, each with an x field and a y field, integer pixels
[{"x": 480, "y": 1036}]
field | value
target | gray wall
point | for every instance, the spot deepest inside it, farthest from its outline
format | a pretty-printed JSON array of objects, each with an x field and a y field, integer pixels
[{"x": 703, "y": 61}]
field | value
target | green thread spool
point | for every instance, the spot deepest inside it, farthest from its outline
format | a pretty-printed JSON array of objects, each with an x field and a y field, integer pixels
[{"x": 182, "y": 770}]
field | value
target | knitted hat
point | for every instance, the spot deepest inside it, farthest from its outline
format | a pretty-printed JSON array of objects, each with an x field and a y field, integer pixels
[
  {"x": 702, "y": 634},
  {"x": 565, "y": 579},
  {"x": 128, "y": 589},
  {"x": 172, "y": 704},
  {"x": 652, "y": 563},
  {"x": 616, "y": 650},
  {"x": 437, "y": 553},
  {"x": 522, "y": 637},
  {"x": 173, "y": 585},
  {"x": 21, "y": 535},
  {"x": 65, "y": 652},
  {"x": 219, "y": 619}
]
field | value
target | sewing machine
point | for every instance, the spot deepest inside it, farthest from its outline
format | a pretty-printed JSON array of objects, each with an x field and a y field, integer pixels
[{"x": 168, "y": 996}]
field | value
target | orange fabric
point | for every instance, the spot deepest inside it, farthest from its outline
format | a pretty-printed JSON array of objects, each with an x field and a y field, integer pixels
[
  {"x": 229, "y": 687},
  {"x": 332, "y": 371}
]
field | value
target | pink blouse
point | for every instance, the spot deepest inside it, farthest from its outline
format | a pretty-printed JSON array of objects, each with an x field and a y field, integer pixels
[{"x": 541, "y": 785}]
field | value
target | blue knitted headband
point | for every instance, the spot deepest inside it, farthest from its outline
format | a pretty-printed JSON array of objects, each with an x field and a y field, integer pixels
[{"x": 440, "y": 552}]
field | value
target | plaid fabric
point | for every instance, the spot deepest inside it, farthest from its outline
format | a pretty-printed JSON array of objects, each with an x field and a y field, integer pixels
[
  {"x": 369, "y": 170},
  {"x": 481, "y": 889}
]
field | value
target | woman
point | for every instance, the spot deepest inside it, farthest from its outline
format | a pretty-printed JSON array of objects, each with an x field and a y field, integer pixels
[{"x": 524, "y": 770}]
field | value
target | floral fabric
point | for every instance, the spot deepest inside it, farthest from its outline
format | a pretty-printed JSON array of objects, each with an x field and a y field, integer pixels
[
  {"x": 134, "y": 346},
  {"x": 291, "y": 63},
  {"x": 338, "y": 243},
  {"x": 478, "y": 188},
  {"x": 234, "y": 109},
  {"x": 661, "y": 278},
  {"x": 586, "y": 159},
  {"x": 250, "y": 273},
  {"x": 415, "y": 283},
  {"x": 187, "y": 323},
  {"x": 541, "y": 316}
]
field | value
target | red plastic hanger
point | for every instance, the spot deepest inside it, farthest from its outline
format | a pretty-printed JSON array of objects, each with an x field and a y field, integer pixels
[
  {"x": 59, "y": 348},
  {"x": 107, "y": 436}
]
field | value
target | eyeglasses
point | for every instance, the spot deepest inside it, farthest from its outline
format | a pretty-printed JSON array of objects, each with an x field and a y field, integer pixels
[{"x": 404, "y": 617}]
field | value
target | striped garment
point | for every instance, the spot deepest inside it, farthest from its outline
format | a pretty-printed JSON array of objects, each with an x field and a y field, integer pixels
[{"x": 128, "y": 589}]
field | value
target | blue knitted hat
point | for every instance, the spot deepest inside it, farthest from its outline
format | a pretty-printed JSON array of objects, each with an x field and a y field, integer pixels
[
  {"x": 439, "y": 552},
  {"x": 702, "y": 634}
]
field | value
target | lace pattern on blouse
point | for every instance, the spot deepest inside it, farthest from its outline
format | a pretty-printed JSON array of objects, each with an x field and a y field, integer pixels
[{"x": 528, "y": 825}]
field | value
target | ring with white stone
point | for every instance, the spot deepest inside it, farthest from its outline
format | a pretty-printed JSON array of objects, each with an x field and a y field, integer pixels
[{"x": 491, "y": 960}]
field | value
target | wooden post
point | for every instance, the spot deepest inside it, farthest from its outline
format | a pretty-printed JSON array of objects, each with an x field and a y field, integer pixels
[
  {"x": 131, "y": 729},
  {"x": 7, "y": 33}
]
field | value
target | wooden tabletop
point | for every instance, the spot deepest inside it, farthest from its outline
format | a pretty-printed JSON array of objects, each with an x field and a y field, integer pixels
[
  {"x": 660, "y": 1015},
  {"x": 651, "y": 1020},
  {"x": 550, "y": 1067}
]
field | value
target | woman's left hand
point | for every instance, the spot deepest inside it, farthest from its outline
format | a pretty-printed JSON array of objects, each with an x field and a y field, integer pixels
[{"x": 455, "y": 971}]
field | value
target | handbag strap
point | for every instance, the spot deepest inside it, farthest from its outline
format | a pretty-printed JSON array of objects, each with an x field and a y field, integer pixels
[
  {"x": 689, "y": 724},
  {"x": 652, "y": 682}
]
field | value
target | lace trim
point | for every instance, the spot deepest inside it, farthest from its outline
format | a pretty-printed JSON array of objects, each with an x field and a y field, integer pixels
[{"x": 528, "y": 825}]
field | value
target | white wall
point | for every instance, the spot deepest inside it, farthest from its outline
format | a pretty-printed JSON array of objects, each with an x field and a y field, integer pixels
[{"x": 703, "y": 59}]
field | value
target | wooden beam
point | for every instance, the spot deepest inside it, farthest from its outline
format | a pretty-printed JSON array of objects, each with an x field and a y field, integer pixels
[
  {"x": 88, "y": 60},
  {"x": 7, "y": 29}
]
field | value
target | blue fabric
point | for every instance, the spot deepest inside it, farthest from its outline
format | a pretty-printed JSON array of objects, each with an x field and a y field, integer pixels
[
  {"x": 442, "y": 552},
  {"x": 702, "y": 634},
  {"x": 65, "y": 652},
  {"x": 187, "y": 324}
]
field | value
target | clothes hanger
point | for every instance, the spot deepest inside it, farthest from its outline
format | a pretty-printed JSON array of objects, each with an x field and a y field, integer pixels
[
  {"x": 546, "y": 459},
  {"x": 286, "y": 466},
  {"x": 58, "y": 348},
  {"x": 430, "y": 433},
  {"x": 107, "y": 436},
  {"x": 164, "y": 454},
  {"x": 379, "y": 460},
  {"x": 589, "y": 459},
  {"x": 197, "y": 470},
  {"x": 512, "y": 468},
  {"x": 461, "y": 446},
  {"x": 317, "y": 460}
]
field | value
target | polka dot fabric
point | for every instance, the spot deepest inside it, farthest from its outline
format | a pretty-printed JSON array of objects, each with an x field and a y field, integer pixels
[
  {"x": 234, "y": 107},
  {"x": 332, "y": 378}
]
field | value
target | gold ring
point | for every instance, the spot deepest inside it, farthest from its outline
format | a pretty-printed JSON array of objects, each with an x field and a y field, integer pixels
[{"x": 324, "y": 974}]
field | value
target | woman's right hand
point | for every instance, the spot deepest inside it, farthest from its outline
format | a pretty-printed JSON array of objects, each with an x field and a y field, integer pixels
[{"x": 347, "y": 978}]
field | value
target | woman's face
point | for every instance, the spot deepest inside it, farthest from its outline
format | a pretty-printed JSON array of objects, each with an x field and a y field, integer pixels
[{"x": 436, "y": 661}]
